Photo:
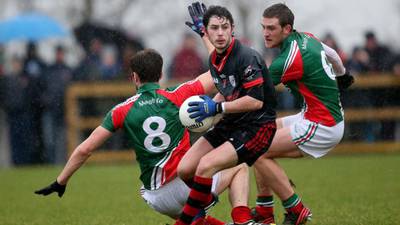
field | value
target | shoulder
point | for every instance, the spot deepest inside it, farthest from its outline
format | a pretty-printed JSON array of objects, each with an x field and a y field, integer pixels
[
  {"x": 127, "y": 104},
  {"x": 247, "y": 56}
]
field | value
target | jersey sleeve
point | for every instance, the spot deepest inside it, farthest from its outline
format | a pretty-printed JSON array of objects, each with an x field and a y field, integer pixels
[
  {"x": 108, "y": 123},
  {"x": 253, "y": 72},
  {"x": 179, "y": 94},
  {"x": 115, "y": 118}
]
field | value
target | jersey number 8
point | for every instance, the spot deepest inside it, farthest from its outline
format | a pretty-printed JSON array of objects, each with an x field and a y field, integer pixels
[{"x": 156, "y": 133}]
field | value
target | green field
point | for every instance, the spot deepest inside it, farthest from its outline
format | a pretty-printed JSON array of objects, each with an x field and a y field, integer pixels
[{"x": 340, "y": 190}]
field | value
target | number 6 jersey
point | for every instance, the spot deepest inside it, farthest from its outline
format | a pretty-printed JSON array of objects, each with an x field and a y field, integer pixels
[
  {"x": 151, "y": 121},
  {"x": 303, "y": 67}
]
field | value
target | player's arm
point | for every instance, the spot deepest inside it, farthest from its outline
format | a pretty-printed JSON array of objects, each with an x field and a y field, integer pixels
[
  {"x": 344, "y": 78},
  {"x": 196, "y": 12},
  {"x": 77, "y": 159},
  {"x": 207, "y": 82},
  {"x": 242, "y": 104},
  {"x": 335, "y": 60},
  {"x": 207, "y": 43},
  {"x": 208, "y": 107}
]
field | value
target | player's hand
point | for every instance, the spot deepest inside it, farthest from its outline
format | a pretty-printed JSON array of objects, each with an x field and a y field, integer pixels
[
  {"x": 54, "y": 187},
  {"x": 345, "y": 81},
  {"x": 197, "y": 11},
  {"x": 201, "y": 110}
]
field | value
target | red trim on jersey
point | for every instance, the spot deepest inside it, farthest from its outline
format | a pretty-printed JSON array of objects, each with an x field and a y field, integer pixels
[
  {"x": 170, "y": 167},
  {"x": 294, "y": 70},
  {"x": 221, "y": 65},
  {"x": 316, "y": 110},
  {"x": 120, "y": 112},
  {"x": 184, "y": 91},
  {"x": 253, "y": 83},
  {"x": 311, "y": 35}
]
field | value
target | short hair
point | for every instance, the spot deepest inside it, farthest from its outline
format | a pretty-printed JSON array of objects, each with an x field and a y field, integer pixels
[
  {"x": 219, "y": 11},
  {"x": 147, "y": 64},
  {"x": 282, "y": 12}
]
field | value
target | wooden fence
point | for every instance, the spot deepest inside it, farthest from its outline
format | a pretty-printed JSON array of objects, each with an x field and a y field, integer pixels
[{"x": 77, "y": 123}]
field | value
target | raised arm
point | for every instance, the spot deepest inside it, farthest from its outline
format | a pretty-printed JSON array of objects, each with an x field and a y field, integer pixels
[{"x": 196, "y": 12}]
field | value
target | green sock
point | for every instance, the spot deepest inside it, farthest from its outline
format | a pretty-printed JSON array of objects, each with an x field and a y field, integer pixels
[
  {"x": 291, "y": 201},
  {"x": 266, "y": 201}
]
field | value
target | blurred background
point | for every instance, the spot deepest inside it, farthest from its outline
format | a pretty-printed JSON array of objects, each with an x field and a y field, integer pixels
[{"x": 64, "y": 64}]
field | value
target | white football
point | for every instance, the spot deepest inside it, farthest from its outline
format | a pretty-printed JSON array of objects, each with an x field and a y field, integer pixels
[{"x": 190, "y": 123}]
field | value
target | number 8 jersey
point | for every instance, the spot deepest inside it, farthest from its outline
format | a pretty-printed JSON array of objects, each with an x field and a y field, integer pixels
[{"x": 151, "y": 121}]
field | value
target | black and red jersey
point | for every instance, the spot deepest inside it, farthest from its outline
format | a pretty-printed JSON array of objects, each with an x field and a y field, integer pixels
[{"x": 241, "y": 71}]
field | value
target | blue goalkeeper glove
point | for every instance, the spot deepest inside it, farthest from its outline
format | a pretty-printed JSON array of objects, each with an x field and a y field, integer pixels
[
  {"x": 197, "y": 11},
  {"x": 201, "y": 110}
]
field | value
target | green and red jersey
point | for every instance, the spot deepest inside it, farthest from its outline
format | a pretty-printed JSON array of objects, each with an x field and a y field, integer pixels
[
  {"x": 303, "y": 67},
  {"x": 151, "y": 122}
]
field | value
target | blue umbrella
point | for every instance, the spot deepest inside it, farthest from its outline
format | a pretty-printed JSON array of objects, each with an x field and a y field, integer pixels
[{"x": 30, "y": 27}]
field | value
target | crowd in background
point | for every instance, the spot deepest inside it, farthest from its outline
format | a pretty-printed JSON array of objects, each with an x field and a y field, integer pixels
[{"x": 32, "y": 93}]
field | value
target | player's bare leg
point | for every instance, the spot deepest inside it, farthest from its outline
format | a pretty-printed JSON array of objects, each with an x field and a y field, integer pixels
[
  {"x": 270, "y": 174},
  {"x": 188, "y": 165}
]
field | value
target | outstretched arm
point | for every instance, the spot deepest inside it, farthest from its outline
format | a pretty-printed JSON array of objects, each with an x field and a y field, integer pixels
[
  {"x": 77, "y": 159},
  {"x": 83, "y": 152}
]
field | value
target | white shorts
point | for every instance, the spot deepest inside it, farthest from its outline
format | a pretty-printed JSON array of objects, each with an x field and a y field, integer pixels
[
  {"x": 313, "y": 138},
  {"x": 171, "y": 197}
]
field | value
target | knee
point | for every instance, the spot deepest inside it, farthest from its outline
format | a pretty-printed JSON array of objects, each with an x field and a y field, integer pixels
[
  {"x": 243, "y": 168},
  {"x": 205, "y": 167},
  {"x": 184, "y": 172}
]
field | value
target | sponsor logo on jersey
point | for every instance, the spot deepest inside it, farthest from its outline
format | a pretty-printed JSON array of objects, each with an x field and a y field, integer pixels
[
  {"x": 249, "y": 73},
  {"x": 215, "y": 80},
  {"x": 232, "y": 80},
  {"x": 151, "y": 101},
  {"x": 305, "y": 42}
]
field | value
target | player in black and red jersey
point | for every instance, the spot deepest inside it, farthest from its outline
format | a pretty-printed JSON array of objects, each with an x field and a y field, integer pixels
[{"x": 246, "y": 98}]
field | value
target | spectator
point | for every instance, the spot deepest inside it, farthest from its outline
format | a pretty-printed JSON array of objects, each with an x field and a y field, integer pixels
[
  {"x": 55, "y": 81},
  {"x": 1, "y": 61},
  {"x": 88, "y": 70},
  {"x": 396, "y": 66},
  {"x": 330, "y": 40},
  {"x": 380, "y": 56},
  {"x": 359, "y": 62},
  {"x": 110, "y": 67},
  {"x": 33, "y": 69},
  {"x": 187, "y": 62},
  {"x": 127, "y": 53},
  {"x": 19, "y": 119}
]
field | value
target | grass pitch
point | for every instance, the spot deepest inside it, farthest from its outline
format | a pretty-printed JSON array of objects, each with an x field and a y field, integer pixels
[{"x": 340, "y": 190}]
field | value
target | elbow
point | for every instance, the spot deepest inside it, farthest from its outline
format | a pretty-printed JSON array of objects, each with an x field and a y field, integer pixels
[
  {"x": 258, "y": 105},
  {"x": 84, "y": 151}
]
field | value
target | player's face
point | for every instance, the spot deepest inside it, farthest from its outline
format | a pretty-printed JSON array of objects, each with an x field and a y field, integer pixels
[
  {"x": 273, "y": 32},
  {"x": 219, "y": 31}
]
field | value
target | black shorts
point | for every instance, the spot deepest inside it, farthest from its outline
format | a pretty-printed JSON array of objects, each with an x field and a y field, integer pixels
[{"x": 250, "y": 142}]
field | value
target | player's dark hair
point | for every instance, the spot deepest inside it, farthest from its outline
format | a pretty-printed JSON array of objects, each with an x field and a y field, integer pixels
[
  {"x": 147, "y": 64},
  {"x": 280, "y": 11},
  {"x": 219, "y": 11}
]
